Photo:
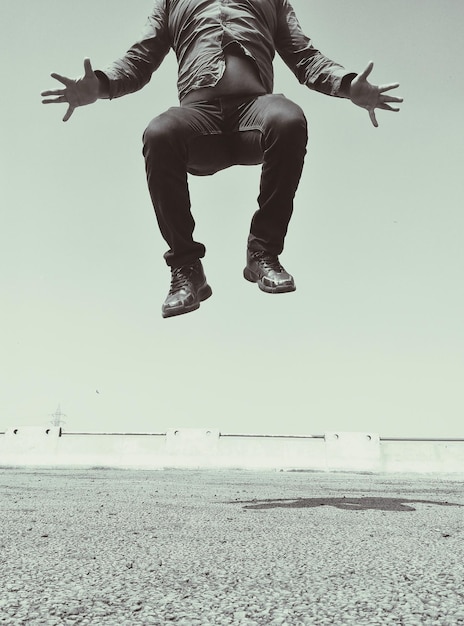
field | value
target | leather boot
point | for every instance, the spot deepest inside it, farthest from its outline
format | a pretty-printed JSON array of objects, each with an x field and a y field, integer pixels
[
  {"x": 265, "y": 269},
  {"x": 188, "y": 289}
]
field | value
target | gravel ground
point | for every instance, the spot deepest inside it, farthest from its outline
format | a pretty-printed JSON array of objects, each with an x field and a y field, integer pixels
[{"x": 127, "y": 547}]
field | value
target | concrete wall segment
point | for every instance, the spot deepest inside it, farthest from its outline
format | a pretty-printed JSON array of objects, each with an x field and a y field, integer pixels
[
  {"x": 272, "y": 452},
  {"x": 422, "y": 456},
  {"x": 352, "y": 451},
  {"x": 29, "y": 443},
  {"x": 118, "y": 450}
]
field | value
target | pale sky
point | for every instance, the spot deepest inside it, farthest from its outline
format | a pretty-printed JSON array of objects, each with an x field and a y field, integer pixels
[{"x": 372, "y": 340}]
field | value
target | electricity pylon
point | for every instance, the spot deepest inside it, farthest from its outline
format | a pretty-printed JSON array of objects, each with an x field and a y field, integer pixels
[{"x": 57, "y": 418}]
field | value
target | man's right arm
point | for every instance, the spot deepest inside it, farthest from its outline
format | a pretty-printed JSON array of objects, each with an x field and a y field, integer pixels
[
  {"x": 76, "y": 92},
  {"x": 134, "y": 70},
  {"x": 126, "y": 75}
]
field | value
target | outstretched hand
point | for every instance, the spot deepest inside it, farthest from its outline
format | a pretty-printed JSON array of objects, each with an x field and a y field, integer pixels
[
  {"x": 77, "y": 92},
  {"x": 372, "y": 97}
]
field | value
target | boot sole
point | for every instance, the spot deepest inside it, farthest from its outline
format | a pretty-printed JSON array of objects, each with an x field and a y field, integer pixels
[
  {"x": 203, "y": 294},
  {"x": 252, "y": 277}
]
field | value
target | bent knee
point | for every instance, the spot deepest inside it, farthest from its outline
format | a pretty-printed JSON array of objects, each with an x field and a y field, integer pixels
[
  {"x": 291, "y": 118},
  {"x": 161, "y": 129},
  {"x": 287, "y": 117}
]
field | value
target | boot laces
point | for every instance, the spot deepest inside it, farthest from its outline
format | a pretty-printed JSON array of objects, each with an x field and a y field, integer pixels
[
  {"x": 180, "y": 277},
  {"x": 268, "y": 261}
]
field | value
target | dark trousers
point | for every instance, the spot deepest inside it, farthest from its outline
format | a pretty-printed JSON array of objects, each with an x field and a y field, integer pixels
[{"x": 202, "y": 138}]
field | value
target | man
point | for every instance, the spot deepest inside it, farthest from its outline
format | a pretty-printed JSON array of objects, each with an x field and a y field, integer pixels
[{"x": 228, "y": 115}]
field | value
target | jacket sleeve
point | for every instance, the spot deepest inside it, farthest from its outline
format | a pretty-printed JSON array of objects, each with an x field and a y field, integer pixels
[
  {"x": 134, "y": 70},
  {"x": 310, "y": 66}
]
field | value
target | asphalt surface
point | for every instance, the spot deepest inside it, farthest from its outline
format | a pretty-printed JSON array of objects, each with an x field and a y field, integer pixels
[{"x": 114, "y": 547}]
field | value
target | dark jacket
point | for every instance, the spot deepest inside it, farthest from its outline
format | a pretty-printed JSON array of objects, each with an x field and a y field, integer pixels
[{"x": 198, "y": 31}]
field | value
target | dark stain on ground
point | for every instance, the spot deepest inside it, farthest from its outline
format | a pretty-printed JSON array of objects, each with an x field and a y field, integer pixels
[{"x": 347, "y": 504}]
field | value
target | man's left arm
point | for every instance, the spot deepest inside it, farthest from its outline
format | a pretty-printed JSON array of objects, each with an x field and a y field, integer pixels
[
  {"x": 311, "y": 67},
  {"x": 318, "y": 72}
]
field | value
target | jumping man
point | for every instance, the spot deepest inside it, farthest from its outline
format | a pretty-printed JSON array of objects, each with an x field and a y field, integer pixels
[{"x": 227, "y": 115}]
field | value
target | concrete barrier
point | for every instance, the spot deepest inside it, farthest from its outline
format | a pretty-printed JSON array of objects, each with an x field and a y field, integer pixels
[
  {"x": 422, "y": 455},
  {"x": 192, "y": 447},
  {"x": 352, "y": 451},
  {"x": 209, "y": 448},
  {"x": 142, "y": 450},
  {"x": 29, "y": 445},
  {"x": 273, "y": 451}
]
